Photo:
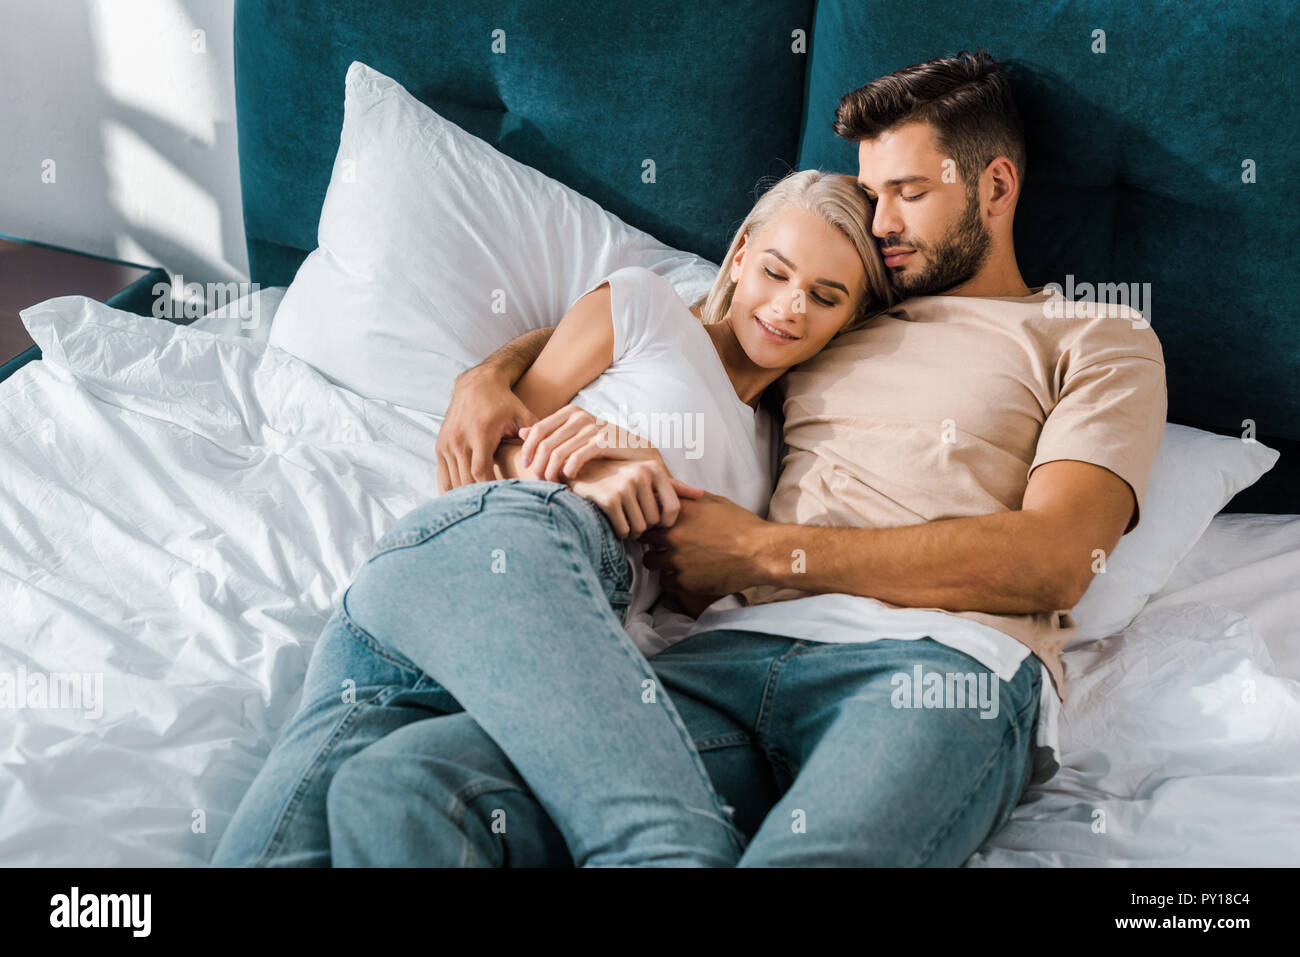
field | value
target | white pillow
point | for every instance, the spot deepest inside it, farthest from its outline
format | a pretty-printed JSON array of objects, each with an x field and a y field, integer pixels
[
  {"x": 1194, "y": 475},
  {"x": 436, "y": 249}
]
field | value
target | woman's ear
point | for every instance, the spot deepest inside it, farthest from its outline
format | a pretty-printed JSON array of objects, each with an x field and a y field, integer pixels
[
  {"x": 738, "y": 260},
  {"x": 864, "y": 306}
]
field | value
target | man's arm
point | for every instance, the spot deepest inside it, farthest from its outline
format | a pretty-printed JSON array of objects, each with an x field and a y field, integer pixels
[
  {"x": 1037, "y": 559},
  {"x": 484, "y": 410},
  {"x": 512, "y": 360}
]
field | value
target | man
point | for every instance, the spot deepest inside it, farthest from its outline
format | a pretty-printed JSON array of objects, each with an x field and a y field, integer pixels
[{"x": 871, "y": 691}]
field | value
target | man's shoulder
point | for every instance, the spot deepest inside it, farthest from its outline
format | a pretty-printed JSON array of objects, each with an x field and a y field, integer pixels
[{"x": 1089, "y": 330}]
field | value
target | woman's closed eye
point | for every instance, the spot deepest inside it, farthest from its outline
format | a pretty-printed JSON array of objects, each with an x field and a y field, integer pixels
[{"x": 820, "y": 299}]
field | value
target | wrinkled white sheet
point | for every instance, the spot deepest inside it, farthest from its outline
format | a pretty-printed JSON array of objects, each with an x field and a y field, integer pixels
[
  {"x": 248, "y": 316},
  {"x": 181, "y": 508},
  {"x": 1180, "y": 740},
  {"x": 1251, "y": 564},
  {"x": 179, "y": 513}
]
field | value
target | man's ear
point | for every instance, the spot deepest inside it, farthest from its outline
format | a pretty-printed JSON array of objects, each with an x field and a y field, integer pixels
[{"x": 1002, "y": 182}]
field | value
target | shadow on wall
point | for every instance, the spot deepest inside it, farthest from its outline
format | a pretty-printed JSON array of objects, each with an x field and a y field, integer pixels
[{"x": 93, "y": 138}]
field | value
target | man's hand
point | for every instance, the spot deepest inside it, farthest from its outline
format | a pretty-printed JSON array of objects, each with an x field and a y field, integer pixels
[
  {"x": 483, "y": 411},
  {"x": 709, "y": 550}
]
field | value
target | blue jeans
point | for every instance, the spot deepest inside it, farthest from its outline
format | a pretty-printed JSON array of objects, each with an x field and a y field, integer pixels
[{"x": 563, "y": 745}]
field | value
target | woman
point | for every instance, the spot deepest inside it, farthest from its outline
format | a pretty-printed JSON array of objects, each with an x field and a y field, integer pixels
[{"x": 425, "y": 630}]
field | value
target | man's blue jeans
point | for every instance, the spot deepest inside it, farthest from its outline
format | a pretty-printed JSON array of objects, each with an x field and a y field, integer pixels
[{"x": 562, "y": 744}]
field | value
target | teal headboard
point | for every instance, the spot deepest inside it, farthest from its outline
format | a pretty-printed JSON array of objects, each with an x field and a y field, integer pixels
[
  {"x": 710, "y": 93},
  {"x": 1143, "y": 139}
]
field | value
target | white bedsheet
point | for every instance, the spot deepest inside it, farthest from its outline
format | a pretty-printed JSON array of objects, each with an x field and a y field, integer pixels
[
  {"x": 248, "y": 316},
  {"x": 179, "y": 513},
  {"x": 180, "y": 509},
  {"x": 1251, "y": 564},
  {"x": 1180, "y": 741}
]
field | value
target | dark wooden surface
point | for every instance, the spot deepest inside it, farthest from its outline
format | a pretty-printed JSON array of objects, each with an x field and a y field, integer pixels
[{"x": 31, "y": 273}]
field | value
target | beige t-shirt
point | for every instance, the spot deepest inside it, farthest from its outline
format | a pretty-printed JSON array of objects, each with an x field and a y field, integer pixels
[{"x": 942, "y": 407}]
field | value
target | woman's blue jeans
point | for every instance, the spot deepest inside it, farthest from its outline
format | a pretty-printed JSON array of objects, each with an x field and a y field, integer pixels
[{"x": 475, "y": 701}]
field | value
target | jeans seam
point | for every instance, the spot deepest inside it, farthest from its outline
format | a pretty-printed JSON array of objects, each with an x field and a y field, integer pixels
[
  {"x": 1036, "y": 681},
  {"x": 459, "y": 809},
  {"x": 276, "y": 838},
  {"x": 766, "y": 708},
  {"x": 718, "y": 741},
  {"x": 369, "y": 642},
  {"x": 1032, "y": 738},
  {"x": 927, "y": 851},
  {"x": 642, "y": 663},
  {"x": 422, "y": 533},
  {"x": 613, "y": 554}
]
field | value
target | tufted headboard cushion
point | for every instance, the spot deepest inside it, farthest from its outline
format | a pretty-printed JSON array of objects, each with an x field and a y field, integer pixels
[
  {"x": 710, "y": 94},
  {"x": 1135, "y": 154},
  {"x": 1135, "y": 174}
]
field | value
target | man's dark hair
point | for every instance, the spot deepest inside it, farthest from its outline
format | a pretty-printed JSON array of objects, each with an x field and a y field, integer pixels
[{"x": 965, "y": 98}]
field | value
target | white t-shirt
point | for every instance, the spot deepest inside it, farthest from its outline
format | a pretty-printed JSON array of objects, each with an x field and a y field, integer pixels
[{"x": 667, "y": 384}]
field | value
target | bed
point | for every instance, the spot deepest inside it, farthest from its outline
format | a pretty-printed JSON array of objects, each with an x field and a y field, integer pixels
[{"x": 182, "y": 506}]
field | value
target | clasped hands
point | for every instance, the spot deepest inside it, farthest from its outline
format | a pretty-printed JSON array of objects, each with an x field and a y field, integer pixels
[{"x": 693, "y": 538}]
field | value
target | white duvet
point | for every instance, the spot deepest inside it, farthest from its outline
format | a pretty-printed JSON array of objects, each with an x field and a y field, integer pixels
[
  {"x": 1181, "y": 739},
  {"x": 1180, "y": 746},
  {"x": 180, "y": 509},
  {"x": 179, "y": 512}
]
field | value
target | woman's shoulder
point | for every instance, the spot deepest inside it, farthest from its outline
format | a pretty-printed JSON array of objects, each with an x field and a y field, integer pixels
[
  {"x": 653, "y": 283},
  {"x": 650, "y": 302}
]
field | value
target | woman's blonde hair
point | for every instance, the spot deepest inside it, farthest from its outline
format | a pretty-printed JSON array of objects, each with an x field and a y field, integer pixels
[{"x": 838, "y": 200}]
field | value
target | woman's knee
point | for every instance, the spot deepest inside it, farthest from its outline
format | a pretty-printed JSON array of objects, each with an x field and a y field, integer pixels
[
  {"x": 376, "y": 818},
  {"x": 390, "y": 807}
]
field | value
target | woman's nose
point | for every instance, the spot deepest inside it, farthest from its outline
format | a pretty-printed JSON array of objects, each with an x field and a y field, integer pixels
[{"x": 784, "y": 304}]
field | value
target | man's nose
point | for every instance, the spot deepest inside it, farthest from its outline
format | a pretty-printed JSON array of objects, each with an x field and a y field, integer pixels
[{"x": 886, "y": 219}]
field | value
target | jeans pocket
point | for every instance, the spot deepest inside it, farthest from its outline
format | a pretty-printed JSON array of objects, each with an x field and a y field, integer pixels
[{"x": 424, "y": 521}]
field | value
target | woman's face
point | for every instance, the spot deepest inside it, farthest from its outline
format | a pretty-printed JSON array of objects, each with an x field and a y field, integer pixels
[{"x": 798, "y": 281}]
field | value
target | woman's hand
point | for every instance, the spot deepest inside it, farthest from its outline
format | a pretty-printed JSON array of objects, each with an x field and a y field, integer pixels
[
  {"x": 634, "y": 494},
  {"x": 560, "y": 445},
  {"x": 621, "y": 472}
]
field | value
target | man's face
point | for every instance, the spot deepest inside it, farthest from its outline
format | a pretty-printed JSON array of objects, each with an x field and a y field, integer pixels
[{"x": 931, "y": 233}]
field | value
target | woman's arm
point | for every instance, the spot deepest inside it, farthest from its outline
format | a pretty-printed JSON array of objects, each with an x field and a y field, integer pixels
[{"x": 580, "y": 349}]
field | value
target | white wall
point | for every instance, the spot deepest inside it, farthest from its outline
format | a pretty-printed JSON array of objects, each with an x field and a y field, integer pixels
[{"x": 138, "y": 116}]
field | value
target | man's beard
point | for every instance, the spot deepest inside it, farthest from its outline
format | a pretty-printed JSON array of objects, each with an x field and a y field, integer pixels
[{"x": 953, "y": 260}]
